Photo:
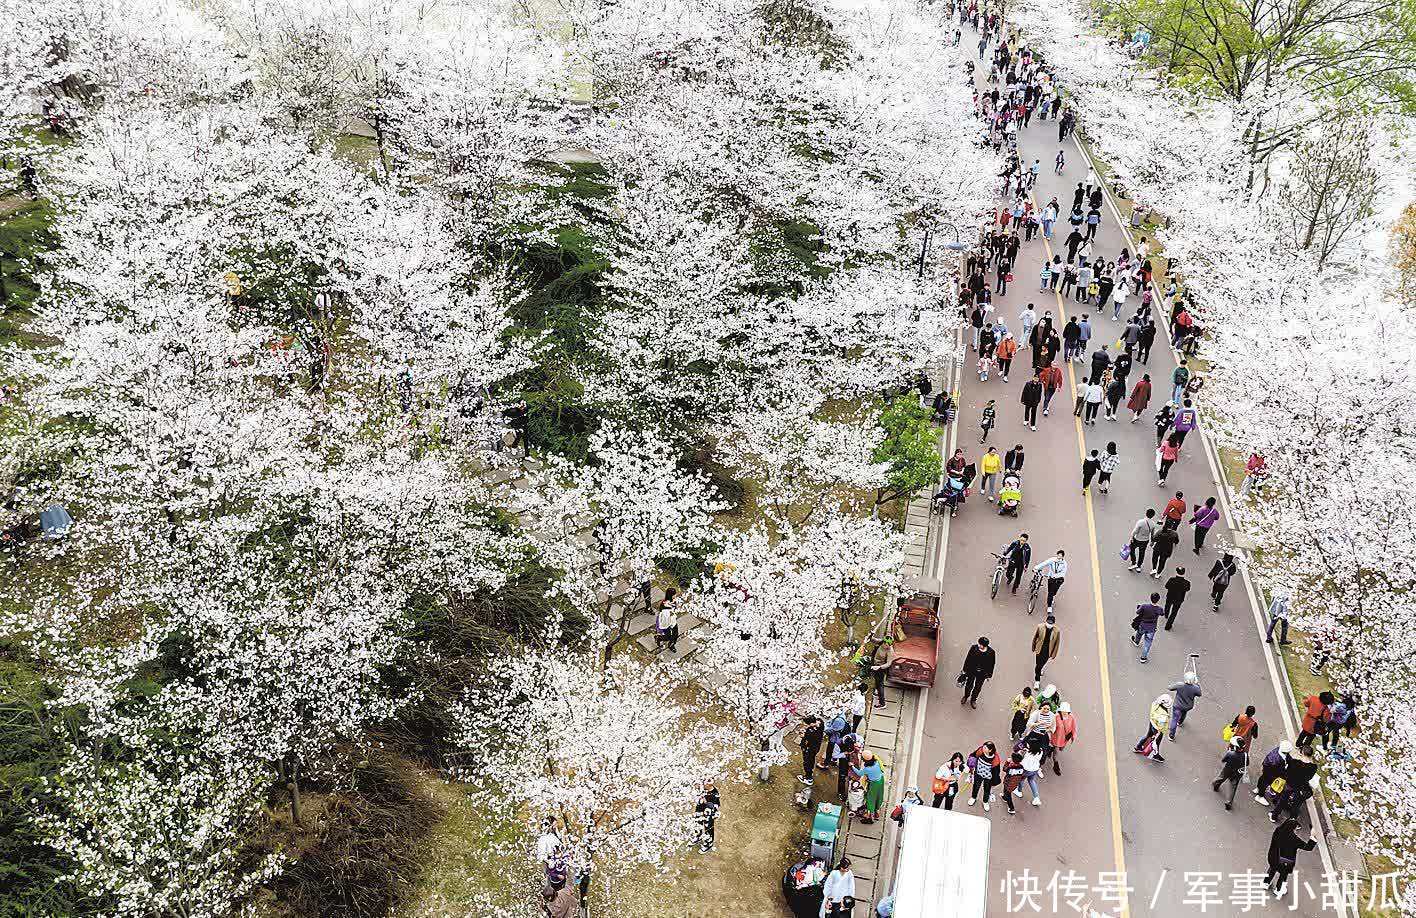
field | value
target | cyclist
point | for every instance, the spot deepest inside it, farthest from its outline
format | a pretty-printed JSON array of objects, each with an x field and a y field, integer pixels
[
  {"x": 1017, "y": 556},
  {"x": 1055, "y": 570}
]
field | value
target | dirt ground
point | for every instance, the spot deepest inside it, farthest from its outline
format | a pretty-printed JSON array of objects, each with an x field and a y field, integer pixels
[{"x": 760, "y": 832}]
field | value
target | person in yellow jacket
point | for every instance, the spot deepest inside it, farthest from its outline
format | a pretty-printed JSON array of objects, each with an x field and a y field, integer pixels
[{"x": 990, "y": 465}]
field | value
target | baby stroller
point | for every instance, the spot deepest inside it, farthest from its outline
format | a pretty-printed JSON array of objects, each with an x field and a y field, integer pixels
[
  {"x": 951, "y": 496},
  {"x": 1010, "y": 496}
]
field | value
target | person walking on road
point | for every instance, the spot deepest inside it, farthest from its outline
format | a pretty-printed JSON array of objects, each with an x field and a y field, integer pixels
[
  {"x": 1007, "y": 350},
  {"x": 1107, "y": 464},
  {"x": 987, "y": 418},
  {"x": 1203, "y": 520},
  {"x": 1283, "y": 855},
  {"x": 1022, "y": 709},
  {"x": 1084, "y": 334},
  {"x": 1047, "y": 640},
  {"x": 1186, "y": 420},
  {"x": 978, "y": 669},
  {"x": 1166, "y": 454},
  {"x": 1146, "y": 341},
  {"x": 1141, "y": 534},
  {"x": 1231, "y": 769},
  {"x": 1186, "y": 691},
  {"x": 1115, "y": 391},
  {"x": 1099, "y": 362},
  {"x": 1055, "y": 570},
  {"x": 1175, "y": 589},
  {"x": 1178, "y": 381},
  {"x": 1064, "y": 732},
  {"x": 987, "y": 769},
  {"x": 1017, "y": 556},
  {"x": 948, "y": 778},
  {"x": 1031, "y": 397},
  {"x": 990, "y": 465},
  {"x": 1090, "y": 466},
  {"x": 1174, "y": 511},
  {"x": 1071, "y": 334},
  {"x": 1158, "y": 720},
  {"x": 1245, "y": 726},
  {"x": 1051, "y": 377},
  {"x": 1013, "y": 459},
  {"x": 1161, "y": 548},
  {"x": 1094, "y": 395},
  {"x": 1140, "y": 397},
  {"x": 1143, "y": 625},
  {"x": 1163, "y": 419},
  {"x": 1220, "y": 575},
  {"x": 1273, "y": 767}
]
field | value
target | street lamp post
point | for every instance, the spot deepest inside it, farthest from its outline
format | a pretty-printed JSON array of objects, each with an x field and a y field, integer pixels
[{"x": 955, "y": 246}]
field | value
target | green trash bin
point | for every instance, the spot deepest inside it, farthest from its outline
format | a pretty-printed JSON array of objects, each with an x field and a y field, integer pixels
[{"x": 825, "y": 827}]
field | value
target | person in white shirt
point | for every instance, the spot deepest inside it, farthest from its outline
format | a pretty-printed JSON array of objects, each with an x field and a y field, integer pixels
[
  {"x": 839, "y": 886},
  {"x": 1055, "y": 570},
  {"x": 548, "y": 844},
  {"x": 1028, "y": 316},
  {"x": 857, "y": 709}
]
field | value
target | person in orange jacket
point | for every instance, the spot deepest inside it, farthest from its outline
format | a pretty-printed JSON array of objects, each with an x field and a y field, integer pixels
[
  {"x": 1007, "y": 350},
  {"x": 1064, "y": 732},
  {"x": 1315, "y": 710}
]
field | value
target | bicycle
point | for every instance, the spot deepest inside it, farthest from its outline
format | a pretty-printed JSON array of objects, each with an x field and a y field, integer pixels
[
  {"x": 999, "y": 570},
  {"x": 1033, "y": 590}
]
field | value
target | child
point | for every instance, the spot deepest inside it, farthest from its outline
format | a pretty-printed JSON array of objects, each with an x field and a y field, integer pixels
[
  {"x": 1022, "y": 707},
  {"x": 990, "y": 414},
  {"x": 856, "y": 800},
  {"x": 985, "y": 363},
  {"x": 1013, "y": 773}
]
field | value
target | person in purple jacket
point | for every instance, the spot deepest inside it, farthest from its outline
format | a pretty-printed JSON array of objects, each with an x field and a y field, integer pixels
[
  {"x": 1186, "y": 420},
  {"x": 1204, "y": 518}
]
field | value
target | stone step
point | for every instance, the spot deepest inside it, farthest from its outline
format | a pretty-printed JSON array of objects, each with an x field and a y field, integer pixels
[{"x": 686, "y": 648}]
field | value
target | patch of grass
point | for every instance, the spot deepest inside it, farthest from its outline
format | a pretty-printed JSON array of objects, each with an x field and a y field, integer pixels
[
  {"x": 25, "y": 237},
  {"x": 469, "y": 856}
]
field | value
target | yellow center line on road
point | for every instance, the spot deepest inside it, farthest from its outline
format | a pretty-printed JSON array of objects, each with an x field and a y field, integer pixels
[{"x": 1107, "y": 714}]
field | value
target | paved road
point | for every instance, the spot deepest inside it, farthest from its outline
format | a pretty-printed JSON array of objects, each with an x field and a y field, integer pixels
[{"x": 1170, "y": 821}]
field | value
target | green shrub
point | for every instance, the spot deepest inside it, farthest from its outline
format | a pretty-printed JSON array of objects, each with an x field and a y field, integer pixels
[{"x": 910, "y": 447}]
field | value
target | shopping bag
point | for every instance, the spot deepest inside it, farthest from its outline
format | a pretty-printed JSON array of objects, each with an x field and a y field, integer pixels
[
  {"x": 1157, "y": 460},
  {"x": 1126, "y": 552}
]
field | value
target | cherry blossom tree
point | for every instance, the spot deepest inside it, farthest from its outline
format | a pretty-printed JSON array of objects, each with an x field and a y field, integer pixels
[{"x": 604, "y": 749}]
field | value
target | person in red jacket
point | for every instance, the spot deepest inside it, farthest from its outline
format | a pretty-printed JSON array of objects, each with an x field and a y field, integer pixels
[
  {"x": 1175, "y": 510},
  {"x": 1051, "y": 378}
]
